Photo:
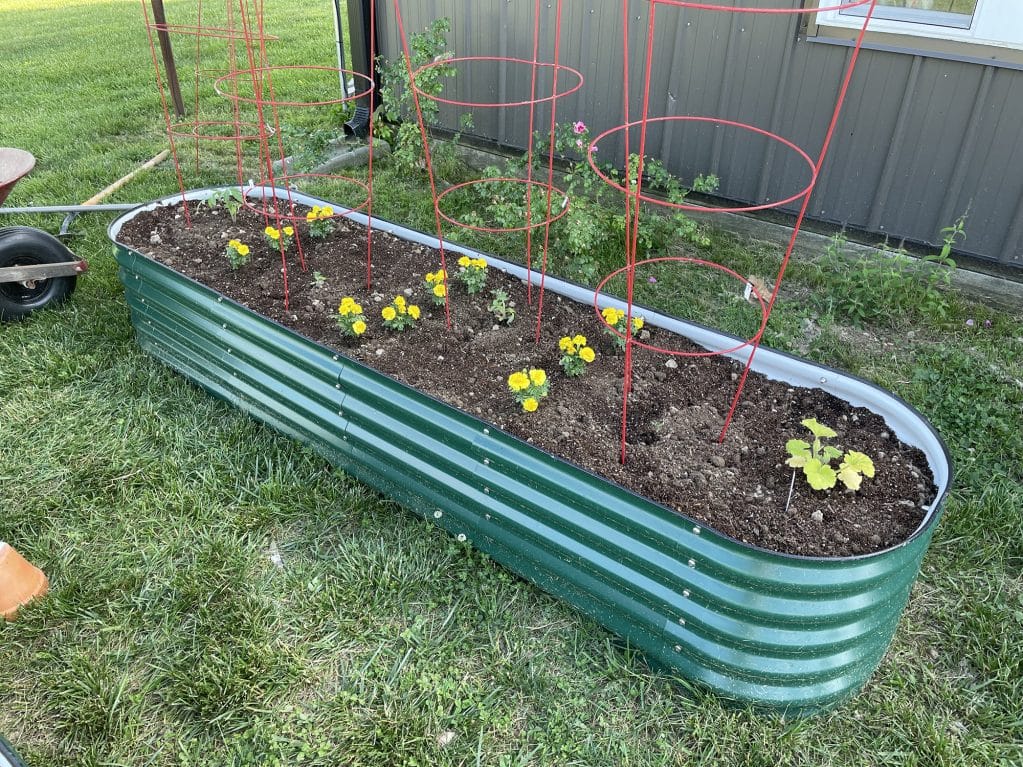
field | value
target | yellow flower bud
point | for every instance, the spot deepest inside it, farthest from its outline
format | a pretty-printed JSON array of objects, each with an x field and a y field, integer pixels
[
  {"x": 289, "y": 230},
  {"x": 637, "y": 323},
  {"x": 579, "y": 340}
]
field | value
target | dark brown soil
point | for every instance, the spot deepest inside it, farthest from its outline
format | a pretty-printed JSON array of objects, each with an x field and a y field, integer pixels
[{"x": 739, "y": 488}]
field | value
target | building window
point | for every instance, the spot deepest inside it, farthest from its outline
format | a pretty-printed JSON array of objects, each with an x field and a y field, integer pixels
[{"x": 995, "y": 23}]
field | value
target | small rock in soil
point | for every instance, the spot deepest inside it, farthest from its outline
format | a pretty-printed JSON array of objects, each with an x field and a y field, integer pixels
[
  {"x": 671, "y": 363},
  {"x": 817, "y": 516},
  {"x": 718, "y": 461}
]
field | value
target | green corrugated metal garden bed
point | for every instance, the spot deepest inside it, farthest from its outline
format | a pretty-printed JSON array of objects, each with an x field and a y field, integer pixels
[{"x": 792, "y": 633}]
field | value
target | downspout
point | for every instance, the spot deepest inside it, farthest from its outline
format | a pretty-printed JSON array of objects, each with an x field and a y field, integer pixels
[{"x": 361, "y": 45}]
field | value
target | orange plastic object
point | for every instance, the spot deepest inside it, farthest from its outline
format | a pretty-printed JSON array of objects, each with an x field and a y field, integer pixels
[{"x": 20, "y": 581}]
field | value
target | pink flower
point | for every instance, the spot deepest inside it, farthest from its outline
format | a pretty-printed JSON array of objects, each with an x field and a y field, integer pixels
[
  {"x": 579, "y": 142},
  {"x": 593, "y": 148},
  {"x": 579, "y": 127}
]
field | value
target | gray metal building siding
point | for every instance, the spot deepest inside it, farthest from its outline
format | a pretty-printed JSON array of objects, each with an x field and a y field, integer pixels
[{"x": 921, "y": 140}]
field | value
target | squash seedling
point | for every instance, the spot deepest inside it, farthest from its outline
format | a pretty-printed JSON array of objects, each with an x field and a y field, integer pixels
[{"x": 815, "y": 459}]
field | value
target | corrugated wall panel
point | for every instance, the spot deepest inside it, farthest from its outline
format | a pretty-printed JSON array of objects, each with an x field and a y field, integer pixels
[{"x": 922, "y": 140}]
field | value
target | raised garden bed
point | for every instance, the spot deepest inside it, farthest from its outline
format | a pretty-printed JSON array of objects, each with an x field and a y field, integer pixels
[{"x": 773, "y": 628}]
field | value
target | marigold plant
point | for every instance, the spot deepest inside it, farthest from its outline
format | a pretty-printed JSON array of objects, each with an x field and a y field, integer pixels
[
  {"x": 616, "y": 319},
  {"x": 350, "y": 318},
  {"x": 575, "y": 355},
  {"x": 320, "y": 221},
  {"x": 237, "y": 253},
  {"x": 277, "y": 238},
  {"x": 473, "y": 273},
  {"x": 435, "y": 283},
  {"x": 399, "y": 314},
  {"x": 529, "y": 386}
]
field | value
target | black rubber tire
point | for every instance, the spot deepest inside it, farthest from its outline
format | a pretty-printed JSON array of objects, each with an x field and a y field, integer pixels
[
  {"x": 24, "y": 246},
  {"x": 7, "y": 756}
]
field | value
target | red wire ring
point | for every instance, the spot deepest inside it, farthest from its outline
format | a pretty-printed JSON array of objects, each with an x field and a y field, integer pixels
[
  {"x": 591, "y": 151},
  {"x": 273, "y": 102},
  {"x": 283, "y": 180},
  {"x": 743, "y": 9},
  {"x": 536, "y": 223},
  {"x": 176, "y": 129},
  {"x": 698, "y": 262},
  {"x": 484, "y": 105}
]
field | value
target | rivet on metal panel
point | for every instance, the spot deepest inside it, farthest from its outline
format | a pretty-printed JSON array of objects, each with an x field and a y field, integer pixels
[
  {"x": 345, "y": 438},
  {"x": 824, "y": 380},
  {"x": 696, "y": 530},
  {"x": 486, "y": 431},
  {"x": 142, "y": 300},
  {"x": 486, "y": 461},
  {"x": 678, "y": 648},
  {"x": 438, "y": 514},
  {"x": 681, "y": 621},
  {"x": 461, "y": 537},
  {"x": 224, "y": 326},
  {"x": 340, "y": 412},
  {"x": 337, "y": 386},
  {"x": 220, "y": 299},
  {"x": 335, "y": 358},
  {"x": 692, "y": 563},
  {"x": 229, "y": 351},
  {"x": 685, "y": 593},
  {"x": 486, "y": 516},
  {"x": 486, "y": 490}
]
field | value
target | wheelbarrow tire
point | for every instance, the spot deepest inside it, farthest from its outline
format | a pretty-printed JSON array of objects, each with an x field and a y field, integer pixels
[{"x": 25, "y": 246}]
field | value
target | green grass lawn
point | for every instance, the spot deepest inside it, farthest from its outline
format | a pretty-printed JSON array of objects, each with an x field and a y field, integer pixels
[{"x": 171, "y": 637}]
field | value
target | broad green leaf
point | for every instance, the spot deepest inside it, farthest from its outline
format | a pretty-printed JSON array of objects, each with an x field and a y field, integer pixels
[
  {"x": 797, "y": 461},
  {"x": 818, "y": 429},
  {"x": 858, "y": 462},
  {"x": 851, "y": 478},
  {"x": 831, "y": 453},
  {"x": 819, "y": 476},
  {"x": 798, "y": 448}
]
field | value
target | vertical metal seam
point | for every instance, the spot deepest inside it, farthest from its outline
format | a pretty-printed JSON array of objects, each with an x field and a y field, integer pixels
[
  {"x": 725, "y": 94},
  {"x": 778, "y": 108},
  {"x": 884, "y": 187},
  {"x": 966, "y": 153}
]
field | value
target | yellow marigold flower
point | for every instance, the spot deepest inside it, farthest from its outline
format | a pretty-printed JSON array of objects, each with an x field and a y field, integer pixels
[
  {"x": 326, "y": 211},
  {"x": 272, "y": 233},
  {"x": 637, "y": 323},
  {"x": 413, "y": 312},
  {"x": 538, "y": 376},
  {"x": 579, "y": 340},
  {"x": 480, "y": 263},
  {"x": 388, "y": 313},
  {"x": 242, "y": 248},
  {"x": 356, "y": 308},
  {"x": 316, "y": 210},
  {"x": 529, "y": 404},
  {"x": 464, "y": 261},
  {"x": 518, "y": 381},
  {"x": 347, "y": 301},
  {"x": 587, "y": 354},
  {"x": 439, "y": 290},
  {"x": 312, "y": 215},
  {"x": 358, "y": 327},
  {"x": 234, "y": 243},
  {"x": 289, "y": 230},
  {"x": 565, "y": 344},
  {"x": 399, "y": 301},
  {"x": 344, "y": 310}
]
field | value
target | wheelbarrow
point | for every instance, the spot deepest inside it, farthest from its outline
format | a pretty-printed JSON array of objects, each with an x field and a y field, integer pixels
[{"x": 36, "y": 269}]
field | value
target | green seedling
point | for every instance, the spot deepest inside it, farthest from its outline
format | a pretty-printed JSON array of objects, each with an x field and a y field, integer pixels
[
  {"x": 815, "y": 459},
  {"x": 502, "y": 307}
]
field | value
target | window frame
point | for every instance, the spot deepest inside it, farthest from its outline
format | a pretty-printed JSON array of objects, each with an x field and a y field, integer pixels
[{"x": 984, "y": 39}]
